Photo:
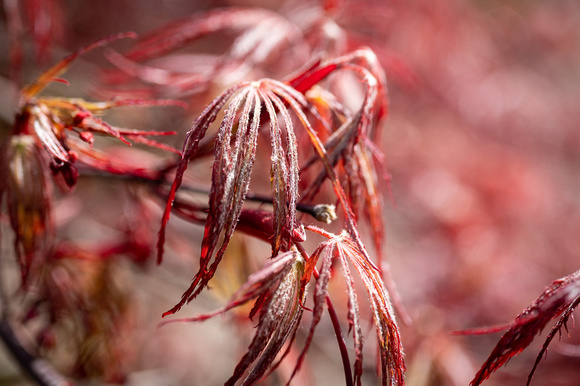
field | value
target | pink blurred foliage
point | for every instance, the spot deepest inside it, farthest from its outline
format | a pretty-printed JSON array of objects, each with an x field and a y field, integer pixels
[{"x": 480, "y": 152}]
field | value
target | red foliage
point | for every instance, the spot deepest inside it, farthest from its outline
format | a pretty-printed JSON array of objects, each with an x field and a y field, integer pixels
[{"x": 289, "y": 103}]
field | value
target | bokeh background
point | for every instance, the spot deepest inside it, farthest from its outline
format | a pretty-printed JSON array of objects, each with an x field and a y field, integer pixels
[{"x": 483, "y": 147}]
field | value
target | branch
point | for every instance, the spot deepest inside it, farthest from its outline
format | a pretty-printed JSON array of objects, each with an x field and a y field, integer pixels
[{"x": 38, "y": 369}]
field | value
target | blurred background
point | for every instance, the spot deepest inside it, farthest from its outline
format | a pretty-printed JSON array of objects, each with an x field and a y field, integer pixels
[{"x": 482, "y": 145}]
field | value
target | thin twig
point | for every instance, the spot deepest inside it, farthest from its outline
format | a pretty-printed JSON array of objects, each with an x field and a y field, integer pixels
[
  {"x": 340, "y": 340},
  {"x": 322, "y": 212},
  {"x": 337, "y": 329}
]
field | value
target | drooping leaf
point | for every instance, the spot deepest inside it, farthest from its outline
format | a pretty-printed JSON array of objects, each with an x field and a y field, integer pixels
[
  {"x": 232, "y": 170},
  {"x": 278, "y": 321},
  {"x": 280, "y": 313},
  {"x": 353, "y": 318},
  {"x": 190, "y": 148},
  {"x": 230, "y": 182},
  {"x": 390, "y": 347},
  {"x": 558, "y": 299},
  {"x": 326, "y": 250},
  {"x": 285, "y": 167}
]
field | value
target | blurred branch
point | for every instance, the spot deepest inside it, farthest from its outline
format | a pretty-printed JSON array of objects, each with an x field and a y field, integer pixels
[
  {"x": 38, "y": 369},
  {"x": 321, "y": 212}
]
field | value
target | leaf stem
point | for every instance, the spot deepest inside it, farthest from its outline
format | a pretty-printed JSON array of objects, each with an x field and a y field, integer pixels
[
  {"x": 340, "y": 341},
  {"x": 336, "y": 326}
]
